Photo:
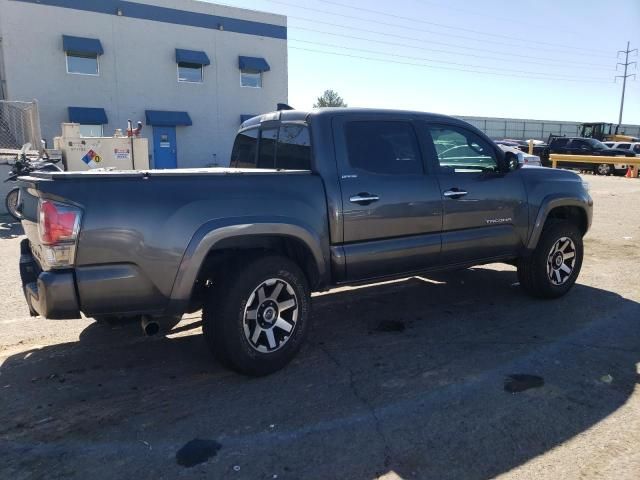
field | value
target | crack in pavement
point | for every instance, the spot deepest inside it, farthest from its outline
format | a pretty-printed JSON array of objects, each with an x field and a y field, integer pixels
[{"x": 364, "y": 401}]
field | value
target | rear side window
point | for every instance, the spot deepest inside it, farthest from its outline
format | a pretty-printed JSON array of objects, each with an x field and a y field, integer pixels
[
  {"x": 388, "y": 148},
  {"x": 626, "y": 146},
  {"x": 636, "y": 148},
  {"x": 267, "y": 148},
  {"x": 559, "y": 142},
  {"x": 294, "y": 148},
  {"x": 287, "y": 147},
  {"x": 244, "y": 150}
]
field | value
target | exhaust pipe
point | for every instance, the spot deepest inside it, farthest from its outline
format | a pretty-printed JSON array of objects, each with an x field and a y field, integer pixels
[{"x": 149, "y": 326}]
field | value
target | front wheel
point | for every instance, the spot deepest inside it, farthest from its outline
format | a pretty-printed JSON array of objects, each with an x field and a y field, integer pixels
[
  {"x": 256, "y": 320},
  {"x": 553, "y": 267},
  {"x": 11, "y": 203}
]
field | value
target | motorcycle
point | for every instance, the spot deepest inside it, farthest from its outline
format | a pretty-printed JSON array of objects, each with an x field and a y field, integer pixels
[{"x": 24, "y": 165}]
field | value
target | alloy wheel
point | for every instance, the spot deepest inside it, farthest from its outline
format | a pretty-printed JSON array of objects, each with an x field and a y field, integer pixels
[
  {"x": 561, "y": 261},
  {"x": 270, "y": 315}
]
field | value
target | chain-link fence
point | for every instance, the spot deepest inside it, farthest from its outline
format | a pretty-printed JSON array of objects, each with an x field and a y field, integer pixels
[
  {"x": 498, "y": 128},
  {"x": 19, "y": 124}
]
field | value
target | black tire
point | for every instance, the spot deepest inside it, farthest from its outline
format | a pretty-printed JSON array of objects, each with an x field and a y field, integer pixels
[
  {"x": 230, "y": 335},
  {"x": 604, "y": 169},
  {"x": 11, "y": 202},
  {"x": 537, "y": 272}
]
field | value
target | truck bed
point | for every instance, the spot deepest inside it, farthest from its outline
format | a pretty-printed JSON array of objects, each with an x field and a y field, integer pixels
[{"x": 137, "y": 225}]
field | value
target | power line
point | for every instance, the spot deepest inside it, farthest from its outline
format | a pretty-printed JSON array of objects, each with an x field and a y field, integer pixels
[
  {"x": 625, "y": 76},
  {"x": 417, "y": 20},
  {"x": 476, "y": 56},
  {"x": 510, "y": 55},
  {"x": 445, "y": 61},
  {"x": 481, "y": 13},
  {"x": 404, "y": 37},
  {"x": 388, "y": 24},
  {"x": 578, "y": 79}
]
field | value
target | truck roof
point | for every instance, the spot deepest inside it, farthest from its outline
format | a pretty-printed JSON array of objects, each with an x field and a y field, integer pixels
[{"x": 303, "y": 115}]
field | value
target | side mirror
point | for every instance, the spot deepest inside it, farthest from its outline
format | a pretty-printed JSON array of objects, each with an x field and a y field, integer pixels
[{"x": 511, "y": 162}]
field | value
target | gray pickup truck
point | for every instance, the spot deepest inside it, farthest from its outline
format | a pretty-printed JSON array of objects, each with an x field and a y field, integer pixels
[{"x": 313, "y": 200}]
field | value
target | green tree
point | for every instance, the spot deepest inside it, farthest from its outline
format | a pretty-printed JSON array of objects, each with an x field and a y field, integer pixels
[{"x": 329, "y": 98}]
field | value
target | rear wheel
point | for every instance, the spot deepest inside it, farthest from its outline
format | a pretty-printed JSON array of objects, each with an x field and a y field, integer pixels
[
  {"x": 604, "y": 169},
  {"x": 553, "y": 267},
  {"x": 11, "y": 203},
  {"x": 256, "y": 321}
]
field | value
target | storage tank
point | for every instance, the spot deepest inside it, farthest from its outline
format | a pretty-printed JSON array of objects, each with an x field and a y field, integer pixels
[{"x": 87, "y": 153}]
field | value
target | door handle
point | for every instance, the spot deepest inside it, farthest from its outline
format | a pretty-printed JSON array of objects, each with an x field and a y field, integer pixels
[
  {"x": 364, "y": 198},
  {"x": 455, "y": 193}
]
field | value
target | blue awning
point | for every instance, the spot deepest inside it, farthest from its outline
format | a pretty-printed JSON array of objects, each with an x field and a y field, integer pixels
[
  {"x": 192, "y": 56},
  {"x": 167, "y": 119},
  {"x": 244, "y": 117},
  {"x": 87, "y": 46},
  {"x": 88, "y": 116},
  {"x": 254, "y": 64}
]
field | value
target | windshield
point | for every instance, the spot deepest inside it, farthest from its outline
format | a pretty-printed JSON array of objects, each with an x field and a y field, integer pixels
[{"x": 597, "y": 144}]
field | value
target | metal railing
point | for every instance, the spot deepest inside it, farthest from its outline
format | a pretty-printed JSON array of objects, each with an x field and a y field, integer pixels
[
  {"x": 19, "y": 124},
  {"x": 633, "y": 162}
]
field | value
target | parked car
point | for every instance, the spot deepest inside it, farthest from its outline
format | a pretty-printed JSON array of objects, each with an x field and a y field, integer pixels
[
  {"x": 524, "y": 158},
  {"x": 324, "y": 198},
  {"x": 523, "y": 145},
  {"x": 631, "y": 146},
  {"x": 588, "y": 146}
]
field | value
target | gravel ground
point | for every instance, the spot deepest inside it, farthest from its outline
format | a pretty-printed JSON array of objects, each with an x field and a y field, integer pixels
[{"x": 399, "y": 380}]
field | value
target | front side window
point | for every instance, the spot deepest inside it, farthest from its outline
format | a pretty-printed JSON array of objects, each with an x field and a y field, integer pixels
[
  {"x": 91, "y": 130},
  {"x": 189, "y": 72},
  {"x": 251, "y": 78},
  {"x": 83, "y": 64},
  {"x": 462, "y": 151},
  {"x": 388, "y": 148},
  {"x": 244, "y": 150}
]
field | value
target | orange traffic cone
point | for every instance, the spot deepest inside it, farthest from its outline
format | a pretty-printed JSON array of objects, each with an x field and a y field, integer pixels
[{"x": 629, "y": 173}]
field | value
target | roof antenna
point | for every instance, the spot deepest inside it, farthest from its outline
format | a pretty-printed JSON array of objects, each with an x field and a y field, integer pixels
[{"x": 284, "y": 106}]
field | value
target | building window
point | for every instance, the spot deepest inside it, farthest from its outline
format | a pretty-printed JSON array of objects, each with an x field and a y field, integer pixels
[
  {"x": 83, "y": 63},
  {"x": 190, "y": 72},
  {"x": 91, "y": 130},
  {"x": 251, "y": 79}
]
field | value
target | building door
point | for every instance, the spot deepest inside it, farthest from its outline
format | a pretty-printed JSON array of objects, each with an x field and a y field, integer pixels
[{"x": 165, "y": 153}]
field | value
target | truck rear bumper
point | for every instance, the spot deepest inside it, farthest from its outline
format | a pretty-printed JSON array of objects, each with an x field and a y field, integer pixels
[{"x": 49, "y": 294}]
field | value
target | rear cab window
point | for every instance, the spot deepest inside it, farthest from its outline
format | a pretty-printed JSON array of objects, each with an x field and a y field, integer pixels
[{"x": 286, "y": 147}]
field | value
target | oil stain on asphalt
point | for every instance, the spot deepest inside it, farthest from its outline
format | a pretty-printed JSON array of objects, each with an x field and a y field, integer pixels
[
  {"x": 519, "y": 382},
  {"x": 390, "y": 326},
  {"x": 197, "y": 451}
]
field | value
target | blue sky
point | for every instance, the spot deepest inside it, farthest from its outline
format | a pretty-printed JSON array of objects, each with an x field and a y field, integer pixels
[{"x": 552, "y": 60}]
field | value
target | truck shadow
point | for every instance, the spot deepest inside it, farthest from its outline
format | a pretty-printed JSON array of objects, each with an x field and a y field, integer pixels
[
  {"x": 10, "y": 228},
  {"x": 406, "y": 377}
]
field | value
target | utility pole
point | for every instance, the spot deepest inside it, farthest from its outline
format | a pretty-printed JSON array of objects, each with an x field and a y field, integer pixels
[{"x": 625, "y": 76}]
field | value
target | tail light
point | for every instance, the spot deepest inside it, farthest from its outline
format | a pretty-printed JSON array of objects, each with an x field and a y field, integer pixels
[{"x": 58, "y": 225}]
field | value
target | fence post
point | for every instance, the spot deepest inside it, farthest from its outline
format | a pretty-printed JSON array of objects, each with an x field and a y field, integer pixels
[{"x": 36, "y": 134}]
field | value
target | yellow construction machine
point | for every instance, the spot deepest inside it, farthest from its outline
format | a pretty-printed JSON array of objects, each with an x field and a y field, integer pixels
[{"x": 605, "y": 132}]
